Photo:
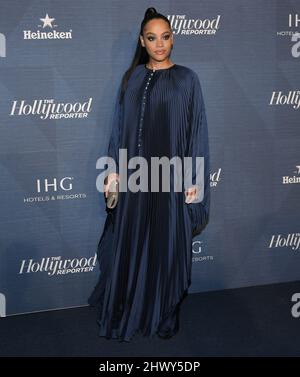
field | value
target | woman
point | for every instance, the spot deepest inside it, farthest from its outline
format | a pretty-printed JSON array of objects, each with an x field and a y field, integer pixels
[{"x": 145, "y": 250}]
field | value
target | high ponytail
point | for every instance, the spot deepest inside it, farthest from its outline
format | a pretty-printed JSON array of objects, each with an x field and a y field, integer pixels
[
  {"x": 141, "y": 56},
  {"x": 150, "y": 12}
]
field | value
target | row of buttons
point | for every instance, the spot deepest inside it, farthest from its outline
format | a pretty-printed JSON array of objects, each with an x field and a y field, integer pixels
[{"x": 143, "y": 110}]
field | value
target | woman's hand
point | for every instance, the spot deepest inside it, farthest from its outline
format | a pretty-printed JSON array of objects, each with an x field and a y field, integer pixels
[
  {"x": 107, "y": 181},
  {"x": 191, "y": 194}
]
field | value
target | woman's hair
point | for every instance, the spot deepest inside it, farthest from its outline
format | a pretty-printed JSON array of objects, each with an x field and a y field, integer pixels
[{"x": 141, "y": 56}]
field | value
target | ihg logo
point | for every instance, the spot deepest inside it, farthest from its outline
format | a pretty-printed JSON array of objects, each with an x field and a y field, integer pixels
[
  {"x": 2, "y": 46},
  {"x": 2, "y": 305}
]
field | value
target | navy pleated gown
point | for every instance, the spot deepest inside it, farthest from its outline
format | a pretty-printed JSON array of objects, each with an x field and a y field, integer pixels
[{"x": 145, "y": 250}]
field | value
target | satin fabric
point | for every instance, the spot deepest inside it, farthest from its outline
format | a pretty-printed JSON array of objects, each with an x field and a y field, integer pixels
[{"x": 145, "y": 249}]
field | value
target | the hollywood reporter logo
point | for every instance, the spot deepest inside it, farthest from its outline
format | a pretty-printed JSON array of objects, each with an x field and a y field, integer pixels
[
  {"x": 51, "y": 109},
  {"x": 183, "y": 25},
  {"x": 58, "y": 266}
]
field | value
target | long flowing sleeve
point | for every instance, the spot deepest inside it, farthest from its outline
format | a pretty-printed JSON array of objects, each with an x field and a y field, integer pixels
[
  {"x": 198, "y": 146},
  {"x": 114, "y": 141}
]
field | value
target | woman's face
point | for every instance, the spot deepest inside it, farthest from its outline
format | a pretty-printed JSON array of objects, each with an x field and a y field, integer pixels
[{"x": 157, "y": 39}]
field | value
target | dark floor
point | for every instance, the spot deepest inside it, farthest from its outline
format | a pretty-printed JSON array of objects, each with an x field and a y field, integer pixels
[{"x": 254, "y": 321}]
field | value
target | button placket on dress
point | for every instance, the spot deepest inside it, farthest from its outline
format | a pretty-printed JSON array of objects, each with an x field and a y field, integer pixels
[{"x": 143, "y": 111}]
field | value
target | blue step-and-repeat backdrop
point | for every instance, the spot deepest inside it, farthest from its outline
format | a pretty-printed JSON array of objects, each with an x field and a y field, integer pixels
[{"x": 61, "y": 63}]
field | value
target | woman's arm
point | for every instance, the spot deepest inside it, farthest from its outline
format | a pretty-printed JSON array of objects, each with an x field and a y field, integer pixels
[
  {"x": 114, "y": 144},
  {"x": 198, "y": 146}
]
